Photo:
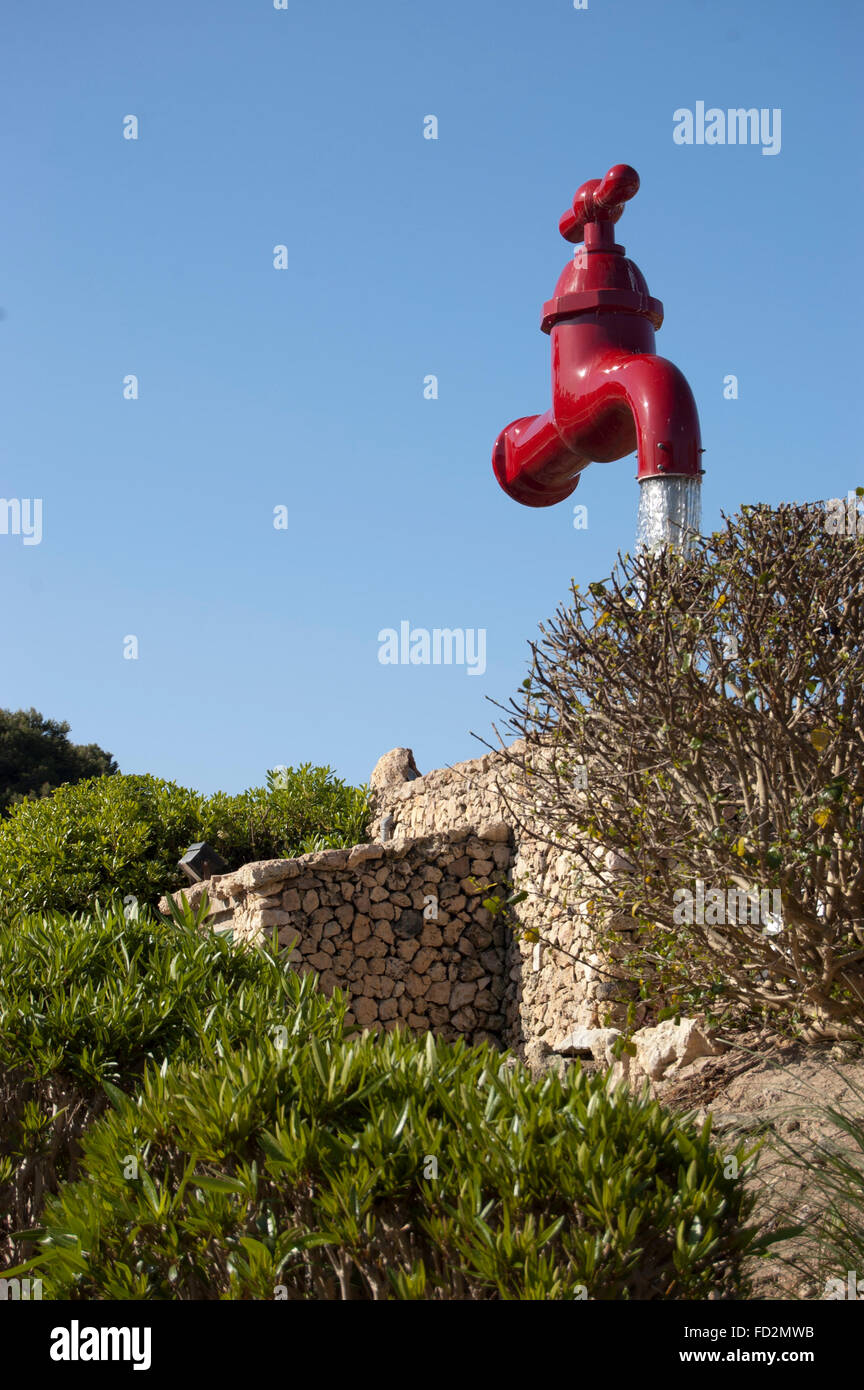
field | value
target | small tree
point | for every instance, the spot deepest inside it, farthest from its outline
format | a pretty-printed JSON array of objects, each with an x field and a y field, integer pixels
[
  {"x": 36, "y": 756},
  {"x": 693, "y": 735}
]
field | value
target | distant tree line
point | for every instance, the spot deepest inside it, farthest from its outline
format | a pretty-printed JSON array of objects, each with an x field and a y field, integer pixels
[{"x": 36, "y": 756}]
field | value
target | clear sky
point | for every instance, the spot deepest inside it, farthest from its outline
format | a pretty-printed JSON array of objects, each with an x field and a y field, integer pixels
[{"x": 303, "y": 387}]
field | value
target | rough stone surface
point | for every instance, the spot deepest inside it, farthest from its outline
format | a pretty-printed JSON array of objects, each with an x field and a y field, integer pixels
[
  {"x": 551, "y": 990},
  {"x": 412, "y": 902},
  {"x": 589, "y": 1042},
  {"x": 670, "y": 1044},
  {"x": 362, "y": 940},
  {"x": 393, "y": 769}
]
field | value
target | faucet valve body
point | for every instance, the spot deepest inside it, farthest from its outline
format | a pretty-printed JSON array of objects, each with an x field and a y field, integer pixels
[{"x": 611, "y": 393}]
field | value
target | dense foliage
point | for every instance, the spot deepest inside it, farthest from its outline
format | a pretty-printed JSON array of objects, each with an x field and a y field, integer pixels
[
  {"x": 36, "y": 756},
  {"x": 125, "y": 834},
  {"x": 694, "y": 727},
  {"x": 270, "y": 1152},
  {"x": 387, "y": 1167},
  {"x": 90, "y": 999}
]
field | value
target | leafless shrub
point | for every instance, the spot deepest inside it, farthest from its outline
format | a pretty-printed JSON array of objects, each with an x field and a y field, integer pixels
[{"x": 699, "y": 721}]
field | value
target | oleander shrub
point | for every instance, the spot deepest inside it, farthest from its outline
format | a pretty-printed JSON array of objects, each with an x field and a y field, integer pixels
[
  {"x": 383, "y": 1166},
  {"x": 86, "y": 1000},
  {"x": 125, "y": 834}
]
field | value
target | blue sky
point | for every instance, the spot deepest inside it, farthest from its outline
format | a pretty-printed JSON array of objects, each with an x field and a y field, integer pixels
[{"x": 303, "y": 387}]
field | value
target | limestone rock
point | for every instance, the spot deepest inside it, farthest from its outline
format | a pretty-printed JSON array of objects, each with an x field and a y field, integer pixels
[
  {"x": 670, "y": 1044},
  {"x": 497, "y": 832},
  {"x": 361, "y": 853},
  {"x": 589, "y": 1042},
  {"x": 263, "y": 871},
  {"x": 274, "y": 917},
  {"x": 393, "y": 769}
]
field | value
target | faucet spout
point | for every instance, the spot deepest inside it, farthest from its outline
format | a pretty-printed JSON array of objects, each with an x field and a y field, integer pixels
[{"x": 533, "y": 464}]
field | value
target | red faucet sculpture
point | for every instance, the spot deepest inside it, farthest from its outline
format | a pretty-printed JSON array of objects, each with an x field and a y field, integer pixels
[{"x": 611, "y": 394}]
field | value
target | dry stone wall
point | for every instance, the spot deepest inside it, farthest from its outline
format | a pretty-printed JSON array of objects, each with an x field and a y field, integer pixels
[
  {"x": 399, "y": 923},
  {"x": 560, "y": 981},
  {"x": 398, "y": 927}
]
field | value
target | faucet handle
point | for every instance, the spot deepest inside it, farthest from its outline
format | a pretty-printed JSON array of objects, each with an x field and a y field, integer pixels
[{"x": 599, "y": 200}]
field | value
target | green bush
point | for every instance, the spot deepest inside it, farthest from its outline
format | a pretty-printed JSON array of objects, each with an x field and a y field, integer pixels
[
  {"x": 385, "y": 1166},
  {"x": 124, "y": 834},
  {"x": 89, "y": 1000},
  {"x": 300, "y": 810}
]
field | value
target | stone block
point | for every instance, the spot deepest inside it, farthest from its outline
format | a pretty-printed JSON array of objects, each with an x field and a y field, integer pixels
[
  {"x": 465, "y": 1020},
  {"x": 361, "y": 930},
  {"x": 365, "y": 1010},
  {"x": 498, "y": 832},
  {"x": 462, "y": 993},
  {"x": 371, "y": 947},
  {"x": 670, "y": 1044},
  {"x": 382, "y": 912},
  {"x": 364, "y": 854},
  {"x": 274, "y": 917}
]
